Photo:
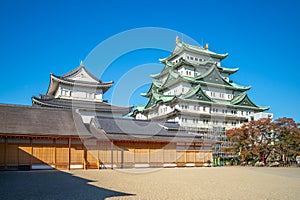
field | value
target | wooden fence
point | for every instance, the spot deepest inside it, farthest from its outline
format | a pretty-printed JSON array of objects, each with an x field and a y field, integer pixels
[{"x": 20, "y": 152}]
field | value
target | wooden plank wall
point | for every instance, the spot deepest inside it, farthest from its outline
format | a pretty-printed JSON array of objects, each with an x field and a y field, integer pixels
[{"x": 72, "y": 153}]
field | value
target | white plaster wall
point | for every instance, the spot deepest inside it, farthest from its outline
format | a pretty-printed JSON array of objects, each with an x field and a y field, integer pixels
[
  {"x": 215, "y": 94},
  {"x": 164, "y": 109},
  {"x": 141, "y": 116},
  {"x": 80, "y": 93},
  {"x": 200, "y": 57}
]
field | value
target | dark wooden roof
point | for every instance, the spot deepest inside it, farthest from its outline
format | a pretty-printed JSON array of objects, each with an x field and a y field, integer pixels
[
  {"x": 46, "y": 101},
  {"x": 143, "y": 130},
  {"x": 67, "y": 79},
  {"x": 36, "y": 121},
  {"x": 25, "y": 120},
  {"x": 104, "y": 85}
]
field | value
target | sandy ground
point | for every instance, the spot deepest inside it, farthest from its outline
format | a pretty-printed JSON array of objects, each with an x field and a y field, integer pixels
[{"x": 176, "y": 183}]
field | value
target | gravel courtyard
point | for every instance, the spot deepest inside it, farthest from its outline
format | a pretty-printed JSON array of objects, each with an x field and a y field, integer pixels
[{"x": 176, "y": 183}]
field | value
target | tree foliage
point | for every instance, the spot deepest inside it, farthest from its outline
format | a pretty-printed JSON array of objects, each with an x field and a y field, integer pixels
[{"x": 264, "y": 137}]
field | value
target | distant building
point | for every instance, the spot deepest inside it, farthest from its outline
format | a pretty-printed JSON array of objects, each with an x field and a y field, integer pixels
[
  {"x": 81, "y": 91},
  {"x": 194, "y": 90}
]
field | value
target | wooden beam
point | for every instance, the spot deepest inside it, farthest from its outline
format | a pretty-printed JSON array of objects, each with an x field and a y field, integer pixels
[
  {"x": 149, "y": 156},
  {"x": 54, "y": 154},
  {"x": 84, "y": 157},
  {"x": 112, "y": 155},
  {"x": 185, "y": 152},
  {"x": 195, "y": 154},
  {"x": 98, "y": 157},
  {"x": 163, "y": 155},
  {"x": 31, "y": 152},
  {"x": 69, "y": 161},
  {"x": 5, "y": 153},
  {"x": 18, "y": 153},
  {"x": 122, "y": 158}
]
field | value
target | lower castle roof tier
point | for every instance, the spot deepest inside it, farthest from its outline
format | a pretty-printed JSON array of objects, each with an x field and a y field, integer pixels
[{"x": 45, "y": 101}]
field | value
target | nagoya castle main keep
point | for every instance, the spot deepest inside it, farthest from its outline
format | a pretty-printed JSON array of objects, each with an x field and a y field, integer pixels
[{"x": 194, "y": 90}]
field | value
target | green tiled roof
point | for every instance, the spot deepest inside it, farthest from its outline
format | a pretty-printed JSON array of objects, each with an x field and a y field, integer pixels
[
  {"x": 203, "y": 50},
  {"x": 237, "y": 86},
  {"x": 196, "y": 93},
  {"x": 154, "y": 86},
  {"x": 156, "y": 97},
  {"x": 210, "y": 78},
  {"x": 180, "y": 46},
  {"x": 228, "y": 70},
  {"x": 213, "y": 76},
  {"x": 242, "y": 99}
]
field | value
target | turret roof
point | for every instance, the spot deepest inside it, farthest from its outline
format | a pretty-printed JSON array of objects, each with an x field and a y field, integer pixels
[
  {"x": 181, "y": 46},
  {"x": 77, "y": 77},
  {"x": 46, "y": 101}
]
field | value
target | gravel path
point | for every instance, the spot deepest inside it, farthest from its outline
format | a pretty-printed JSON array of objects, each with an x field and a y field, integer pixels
[{"x": 176, "y": 183}]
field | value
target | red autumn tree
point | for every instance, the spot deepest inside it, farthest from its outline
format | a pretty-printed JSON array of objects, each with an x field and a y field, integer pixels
[
  {"x": 254, "y": 138},
  {"x": 287, "y": 137}
]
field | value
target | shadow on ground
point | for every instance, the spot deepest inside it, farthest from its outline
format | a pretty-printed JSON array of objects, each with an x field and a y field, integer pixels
[{"x": 50, "y": 184}]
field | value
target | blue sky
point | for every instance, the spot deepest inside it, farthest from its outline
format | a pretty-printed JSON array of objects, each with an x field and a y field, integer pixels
[{"x": 261, "y": 37}]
